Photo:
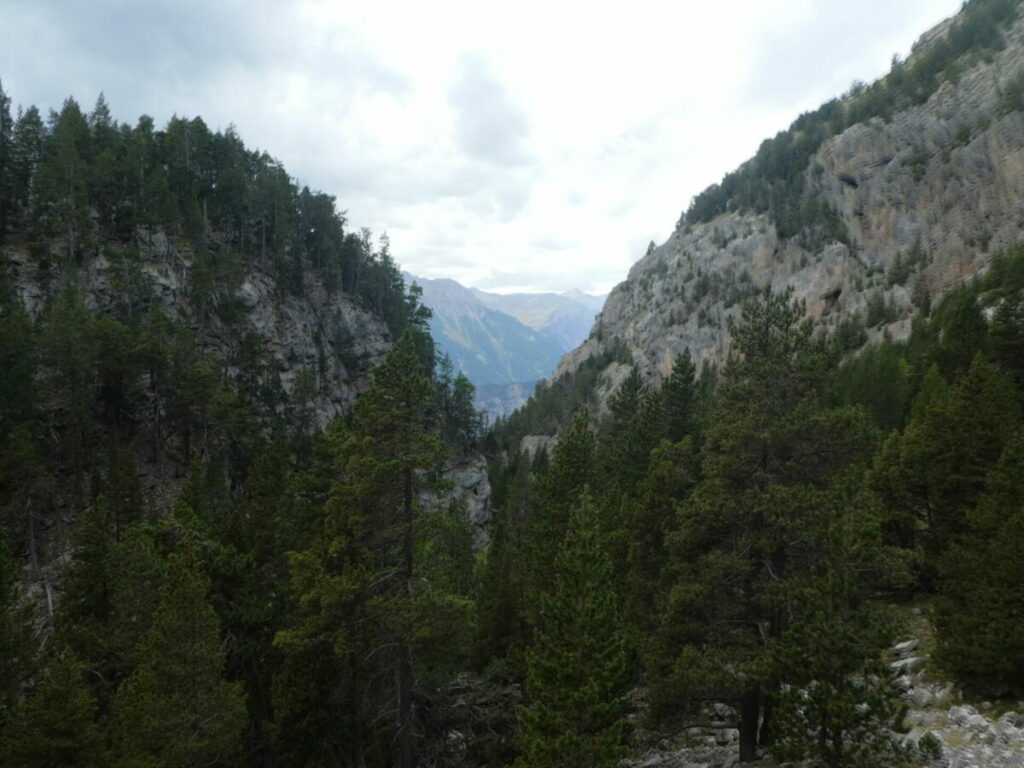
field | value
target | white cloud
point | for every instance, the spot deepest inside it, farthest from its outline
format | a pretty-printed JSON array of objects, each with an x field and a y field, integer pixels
[{"x": 534, "y": 144}]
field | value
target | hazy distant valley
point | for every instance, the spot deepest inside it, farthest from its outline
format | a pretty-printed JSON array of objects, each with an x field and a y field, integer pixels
[{"x": 505, "y": 343}]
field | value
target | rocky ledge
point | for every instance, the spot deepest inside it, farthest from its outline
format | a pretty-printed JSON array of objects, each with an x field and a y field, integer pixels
[{"x": 946, "y": 731}]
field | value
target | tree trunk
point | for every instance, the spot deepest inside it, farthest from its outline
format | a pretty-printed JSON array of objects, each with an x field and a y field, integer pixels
[
  {"x": 750, "y": 709},
  {"x": 765, "y": 735},
  {"x": 78, "y": 461},
  {"x": 405, "y": 756}
]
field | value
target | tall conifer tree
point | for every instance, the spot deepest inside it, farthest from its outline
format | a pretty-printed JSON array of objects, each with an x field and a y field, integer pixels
[
  {"x": 771, "y": 448},
  {"x": 559, "y": 489},
  {"x": 57, "y": 727},
  {"x": 17, "y": 646},
  {"x": 177, "y": 709},
  {"x": 979, "y": 611},
  {"x": 357, "y": 587},
  {"x": 577, "y": 672}
]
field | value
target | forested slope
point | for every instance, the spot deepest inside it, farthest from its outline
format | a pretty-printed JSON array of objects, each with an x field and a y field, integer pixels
[
  {"x": 796, "y": 421},
  {"x": 184, "y": 336},
  {"x": 769, "y": 528},
  {"x": 723, "y": 551}
]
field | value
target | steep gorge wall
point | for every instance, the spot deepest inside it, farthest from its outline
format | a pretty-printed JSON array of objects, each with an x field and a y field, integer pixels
[
  {"x": 331, "y": 336},
  {"x": 925, "y": 198},
  {"x": 317, "y": 349}
]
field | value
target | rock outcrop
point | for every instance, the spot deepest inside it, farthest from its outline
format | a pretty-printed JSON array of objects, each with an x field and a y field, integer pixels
[
  {"x": 925, "y": 198},
  {"x": 960, "y": 734},
  {"x": 942, "y": 730},
  {"x": 470, "y": 485},
  {"x": 329, "y": 337}
]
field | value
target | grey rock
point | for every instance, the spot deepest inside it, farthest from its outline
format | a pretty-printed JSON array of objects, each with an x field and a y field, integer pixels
[
  {"x": 909, "y": 664},
  {"x": 531, "y": 444},
  {"x": 943, "y": 694},
  {"x": 959, "y": 714},
  {"x": 962, "y": 205},
  {"x": 723, "y": 710},
  {"x": 907, "y": 647},
  {"x": 471, "y": 485},
  {"x": 976, "y": 722},
  {"x": 727, "y": 736},
  {"x": 922, "y": 697}
]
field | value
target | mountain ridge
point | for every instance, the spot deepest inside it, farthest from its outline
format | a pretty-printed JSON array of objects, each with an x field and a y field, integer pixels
[
  {"x": 504, "y": 343},
  {"x": 883, "y": 216}
]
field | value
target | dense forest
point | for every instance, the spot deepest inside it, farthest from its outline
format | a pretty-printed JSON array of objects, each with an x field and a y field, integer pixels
[
  {"x": 193, "y": 573},
  {"x": 165, "y": 498},
  {"x": 765, "y": 530}
]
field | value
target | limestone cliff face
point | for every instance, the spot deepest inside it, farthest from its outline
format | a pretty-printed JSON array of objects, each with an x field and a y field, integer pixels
[
  {"x": 329, "y": 336},
  {"x": 925, "y": 198},
  {"x": 320, "y": 348}
]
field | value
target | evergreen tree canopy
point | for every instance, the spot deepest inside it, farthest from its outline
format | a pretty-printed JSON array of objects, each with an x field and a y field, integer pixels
[
  {"x": 177, "y": 709},
  {"x": 363, "y": 594},
  {"x": 17, "y": 645},
  {"x": 577, "y": 673},
  {"x": 58, "y": 726},
  {"x": 772, "y": 447}
]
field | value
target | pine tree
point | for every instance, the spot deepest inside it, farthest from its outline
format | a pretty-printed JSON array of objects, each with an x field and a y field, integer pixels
[
  {"x": 670, "y": 477},
  {"x": 26, "y": 157},
  {"x": 18, "y": 352},
  {"x": 136, "y": 596},
  {"x": 63, "y": 180},
  {"x": 634, "y": 426},
  {"x": 463, "y": 423},
  {"x": 771, "y": 448},
  {"x": 963, "y": 331},
  {"x": 623, "y": 455},
  {"x": 109, "y": 592},
  {"x": 86, "y": 610},
  {"x": 932, "y": 473},
  {"x": 500, "y": 610},
  {"x": 17, "y": 646},
  {"x": 360, "y": 590},
  {"x": 1007, "y": 334},
  {"x": 841, "y": 703},
  {"x": 680, "y": 398},
  {"x": 177, "y": 709},
  {"x": 388, "y": 446},
  {"x": 57, "y": 727},
  {"x": 577, "y": 674},
  {"x": 571, "y": 471},
  {"x": 979, "y": 613},
  {"x": 68, "y": 343},
  {"x": 6, "y": 158}
]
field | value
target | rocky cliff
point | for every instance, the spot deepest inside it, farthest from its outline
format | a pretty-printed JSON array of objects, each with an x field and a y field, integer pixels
[
  {"x": 920, "y": 199},
  {"x": 330, "y": 337},
  {"x": 313, "y": 352}
]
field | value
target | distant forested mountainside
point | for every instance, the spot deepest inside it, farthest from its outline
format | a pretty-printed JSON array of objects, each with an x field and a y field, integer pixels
[
  {"x": 504, "y": 343},
  {"x": 566, "y": 317}
]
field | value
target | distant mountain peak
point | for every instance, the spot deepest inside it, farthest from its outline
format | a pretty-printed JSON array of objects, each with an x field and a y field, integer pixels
[{"x": 505, "y": 340}]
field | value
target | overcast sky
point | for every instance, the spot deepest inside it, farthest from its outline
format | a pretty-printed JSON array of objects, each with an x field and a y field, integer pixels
[{"x": 515, "y": 146}]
